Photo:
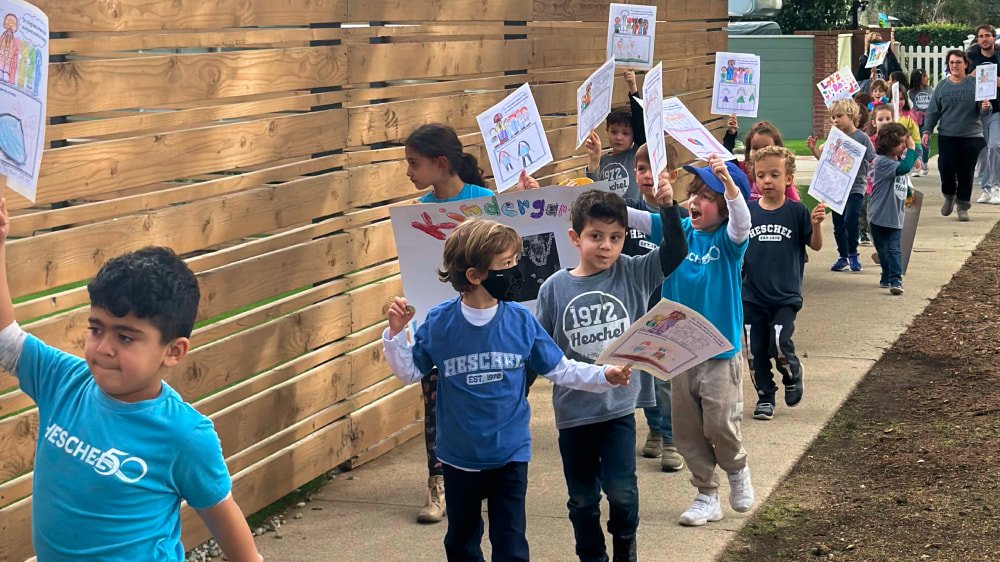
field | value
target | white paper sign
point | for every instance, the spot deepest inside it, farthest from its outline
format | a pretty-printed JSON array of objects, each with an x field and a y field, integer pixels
[
  {"x": 652, "y": 116},
  {"x": 840, "y": 85},
  {"x": 593, "y": 100},
  {"x": 540, "y": 216},
  {"x": 685, "y": 128},
  {"x": 838, "y": 167},
  {"x": 24, "y": 69},
  {"x": 986, "y": 82},
  {"x": 514, "y": 136},
  {"x": 897, "y": 102},
  {"x": 631, "y": 34},
  {"x": 737, "y": 84},
  {"x": 876, "y": 54},
  {"x": 670, "y": 339}
]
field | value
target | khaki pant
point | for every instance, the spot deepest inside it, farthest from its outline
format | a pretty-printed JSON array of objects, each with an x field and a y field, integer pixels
[{"x": 707, "y": 407}]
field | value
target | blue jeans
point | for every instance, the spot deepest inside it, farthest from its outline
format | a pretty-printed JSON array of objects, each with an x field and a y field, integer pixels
[
  {"x": 504, "y": 490},
  {"x": 600, "y": 456},
  {"x": 658, "y": 417},
  {"x": 886, "y": 242},
  {"x": 845, "y": 227}
]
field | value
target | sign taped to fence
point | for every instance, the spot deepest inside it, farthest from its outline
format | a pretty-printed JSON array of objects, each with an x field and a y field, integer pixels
[
  {"x": 840, "y": 85},
  {"x": 838, "y": 166},
  {"x": 593, "y": 100},
  {"x": 986, "y": 82},
  {"x": 540, "y": 216},
  {"x": 514, "y": 136},
  {"x": 670, "y": 339},
  {"x": 631, "y": 35},
  {"x": 652, "y": 115},
  {"x": 737, "y": 84},
  {"x": 24, "y": 69},
  {"x": 685, "y": 128},
  {"x": 876, "y": 54}
]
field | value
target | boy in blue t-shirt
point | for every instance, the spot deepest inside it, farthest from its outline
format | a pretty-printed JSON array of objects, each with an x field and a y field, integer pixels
[
  {"x": 772, "y": 276},
  {"x": 481, "y": 343},
  {"x": 118, "y": 449}
]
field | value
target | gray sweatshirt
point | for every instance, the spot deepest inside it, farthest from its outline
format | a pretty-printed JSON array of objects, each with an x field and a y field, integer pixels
[
  {"x": 954, "y": 108},
  {"x": 889, "y": 187}
]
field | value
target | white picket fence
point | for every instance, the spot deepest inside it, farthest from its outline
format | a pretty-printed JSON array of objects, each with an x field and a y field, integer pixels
[{"x": 929, "y": 58}]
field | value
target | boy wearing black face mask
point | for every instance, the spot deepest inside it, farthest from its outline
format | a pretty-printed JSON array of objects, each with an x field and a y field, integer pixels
[
  {"x": 481, "y": 343},
  {"x": 584, "y": 309}
]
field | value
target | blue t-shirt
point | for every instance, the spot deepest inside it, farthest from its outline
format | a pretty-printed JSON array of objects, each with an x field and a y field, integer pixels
[
  {"x": 468, "y": 192},
  {"x": 709, "y": 281},
  {"x": 109, "y": 475},
  {"x": 482, "y": 411}
]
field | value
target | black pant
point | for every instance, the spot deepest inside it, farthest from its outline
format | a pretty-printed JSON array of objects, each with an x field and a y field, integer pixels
[
  {"x": 769, "y": 334},
  {"x": 846, "y": 226},
  {"x": 504, "y": 490},
  {"x": 957, "y": 157},
  {"x": 887, "y": 245},
  {"x": 428, "y": 385}
]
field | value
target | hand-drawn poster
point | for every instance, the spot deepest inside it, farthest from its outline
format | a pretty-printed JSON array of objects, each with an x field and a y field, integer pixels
[
  {"x": 670, "y": 339},
  {"x": 24, "y": 69},
  {"x": 838, "y": 166},
  {"x": 652, "y": 114},
  {"x": 876, "y": 54},
  {"x": 593, "y": 100},
  {"x": 986, "y": 82},
  {"x": 514, "y": 136},
  {"x": 897, "y": 102},
  {"x": 737, "y": 84},
  {"x": 540, "y": 216},
  {"x": 631, "y": 34},
  {"x": 840, "y": 85},
  {"x": 685, "y": 128}
]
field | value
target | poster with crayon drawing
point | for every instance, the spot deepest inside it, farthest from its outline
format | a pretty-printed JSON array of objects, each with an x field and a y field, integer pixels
[
  {"x": 593, "y": 100},
  {"x": 652, "y": 114},
  {"x": 876, "y": 54},
  {"x": 986, "y": 82},
  {"x": 840, "y": 85},
  {"x": 838, "y": 166},
  {"x": 670, "y": 339},
  {"x": 686, "y": 129},
  {"x": 540, "y": 216},
  {"x": 737, "y": 84},
  {"x": 631, "y": 34},
  {"x": 514, "y": 136},
  {"x": 24, "y": 68}
]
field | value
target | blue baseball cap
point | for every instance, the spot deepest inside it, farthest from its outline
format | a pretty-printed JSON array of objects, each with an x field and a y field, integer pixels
[{"x": 705, "y": 174}]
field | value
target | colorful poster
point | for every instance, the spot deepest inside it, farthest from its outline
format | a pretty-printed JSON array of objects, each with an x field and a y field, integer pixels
[
  {"x": 986, "y": 82},
  {"x": 876, "y": 54},
  {"x": 840, "y": 85},
  {"x": 631, "y": 34},
  {"x": 737, "y": 84},
  {"x": 838, "y": 166},
  {"x": 670, "y": 339},
  {"x": 593, "y": 100},
  {"x": 514, "y": 136},
  {"x": 883, "y": 19},
  {"x": 689, "y": 132},
  {"x": 24, "y": 69},
  {"x": 540, "y": 216},
  {"x": 652, "y": 116}
]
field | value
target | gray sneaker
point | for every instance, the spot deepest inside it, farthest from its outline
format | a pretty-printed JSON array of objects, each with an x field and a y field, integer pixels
[
  {"x": 948, "y": 206},
  {"x": 963, "y": 215}
]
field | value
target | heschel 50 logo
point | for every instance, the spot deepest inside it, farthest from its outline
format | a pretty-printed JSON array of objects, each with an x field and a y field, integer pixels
[{"x": 125, "y": 467}]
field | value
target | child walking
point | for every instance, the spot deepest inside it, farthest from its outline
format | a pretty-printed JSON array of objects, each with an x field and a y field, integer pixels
[
  {"x": 772, "y": 277},
  {"x": 626, "y": 132},
  {"x": 583, "y": 309},
  {"x": 481, "y": 343},
  {"x": 896, "y": 157},
  {"x": 118, "y": 448},
  {"x": 761, "y": 135},
  {"x": 919, "y": 96},
  {"x": 844, "y": 114}
]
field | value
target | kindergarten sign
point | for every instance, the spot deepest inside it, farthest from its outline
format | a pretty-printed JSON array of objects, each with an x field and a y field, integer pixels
[{"x": 540, "y": 216}]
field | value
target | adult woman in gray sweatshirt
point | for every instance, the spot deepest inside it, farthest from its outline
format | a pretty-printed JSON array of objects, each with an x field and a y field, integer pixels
[{"x": 960, "y": 138}]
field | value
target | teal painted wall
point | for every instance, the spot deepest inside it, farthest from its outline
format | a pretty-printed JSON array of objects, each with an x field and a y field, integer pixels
[{"x": 786, "y": 81}]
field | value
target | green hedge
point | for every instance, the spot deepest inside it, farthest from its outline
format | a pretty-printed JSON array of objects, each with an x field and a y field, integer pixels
[{"x": 943, "y": 34}]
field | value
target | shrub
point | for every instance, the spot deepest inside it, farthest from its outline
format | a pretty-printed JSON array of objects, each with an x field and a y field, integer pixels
[{"x": 944, "y": 34}]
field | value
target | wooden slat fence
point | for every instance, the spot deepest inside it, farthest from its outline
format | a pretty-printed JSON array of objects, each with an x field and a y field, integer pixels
[{"x": 261, "y": 140}]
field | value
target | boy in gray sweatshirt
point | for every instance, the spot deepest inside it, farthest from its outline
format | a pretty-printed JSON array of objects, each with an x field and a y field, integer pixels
[{"x": 584, "y": 309}]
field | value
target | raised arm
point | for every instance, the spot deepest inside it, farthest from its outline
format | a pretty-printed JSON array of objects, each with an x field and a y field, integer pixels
[
  {"x": 673, "y": 247},
  {"x": 638, "y": 121},
  {"x": 6, "y": 305}
]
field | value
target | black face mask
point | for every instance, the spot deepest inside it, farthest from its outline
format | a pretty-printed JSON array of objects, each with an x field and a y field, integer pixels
[{"x": 503, "y": 284}]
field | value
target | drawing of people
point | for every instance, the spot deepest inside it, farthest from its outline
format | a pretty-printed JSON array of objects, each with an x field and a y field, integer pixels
[
  {"x": 740, "y": 97},
  {"x": 585, "y": 99},
  {"x": 9, "y": 47},
  {"x": 524, "y": 153},
  {"x": 730, "y": 71},
  {"x": 618, "y": 27},
  {"x": 620, "y": 47},
  {"x": 505, "y": 161},
  {"x": 645, "y": 27}
]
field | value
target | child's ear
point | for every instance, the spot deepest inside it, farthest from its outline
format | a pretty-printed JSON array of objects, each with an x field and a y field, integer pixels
[
  {"x": 474, "y": 277},
  {"x": 177, "y": 350},
  {"x": 574, "y": 237},
  {"x": 442, "y": 163},
  {"x": 674, "y": 174}
]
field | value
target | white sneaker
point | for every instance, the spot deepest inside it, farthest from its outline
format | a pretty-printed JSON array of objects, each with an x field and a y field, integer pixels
[
  {"x": 704, "y": 509},
  {"x": 995, "y": 200},
  {"x": 923, "y": 172},
  {"x": 741, "y": 494},
  {"x": 987, "y": 195}
]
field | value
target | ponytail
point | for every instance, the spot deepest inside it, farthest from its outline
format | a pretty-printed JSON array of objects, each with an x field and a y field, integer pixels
[{"x": 436, "y": 140}]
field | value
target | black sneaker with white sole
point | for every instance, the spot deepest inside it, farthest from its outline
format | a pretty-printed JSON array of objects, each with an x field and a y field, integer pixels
[
  {"x": 793, "y": 392},
  {"x": 763, "y": 411}
]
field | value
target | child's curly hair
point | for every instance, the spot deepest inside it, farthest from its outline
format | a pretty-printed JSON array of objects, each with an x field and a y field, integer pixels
[
  {"x": 846, "y": 107},
  {"x": 777, "y": 152},
  {"x": 889, "y": 137}
]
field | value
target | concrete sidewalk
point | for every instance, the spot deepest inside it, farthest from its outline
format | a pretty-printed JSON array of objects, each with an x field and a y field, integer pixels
[{"x": 845, "y": 326}]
